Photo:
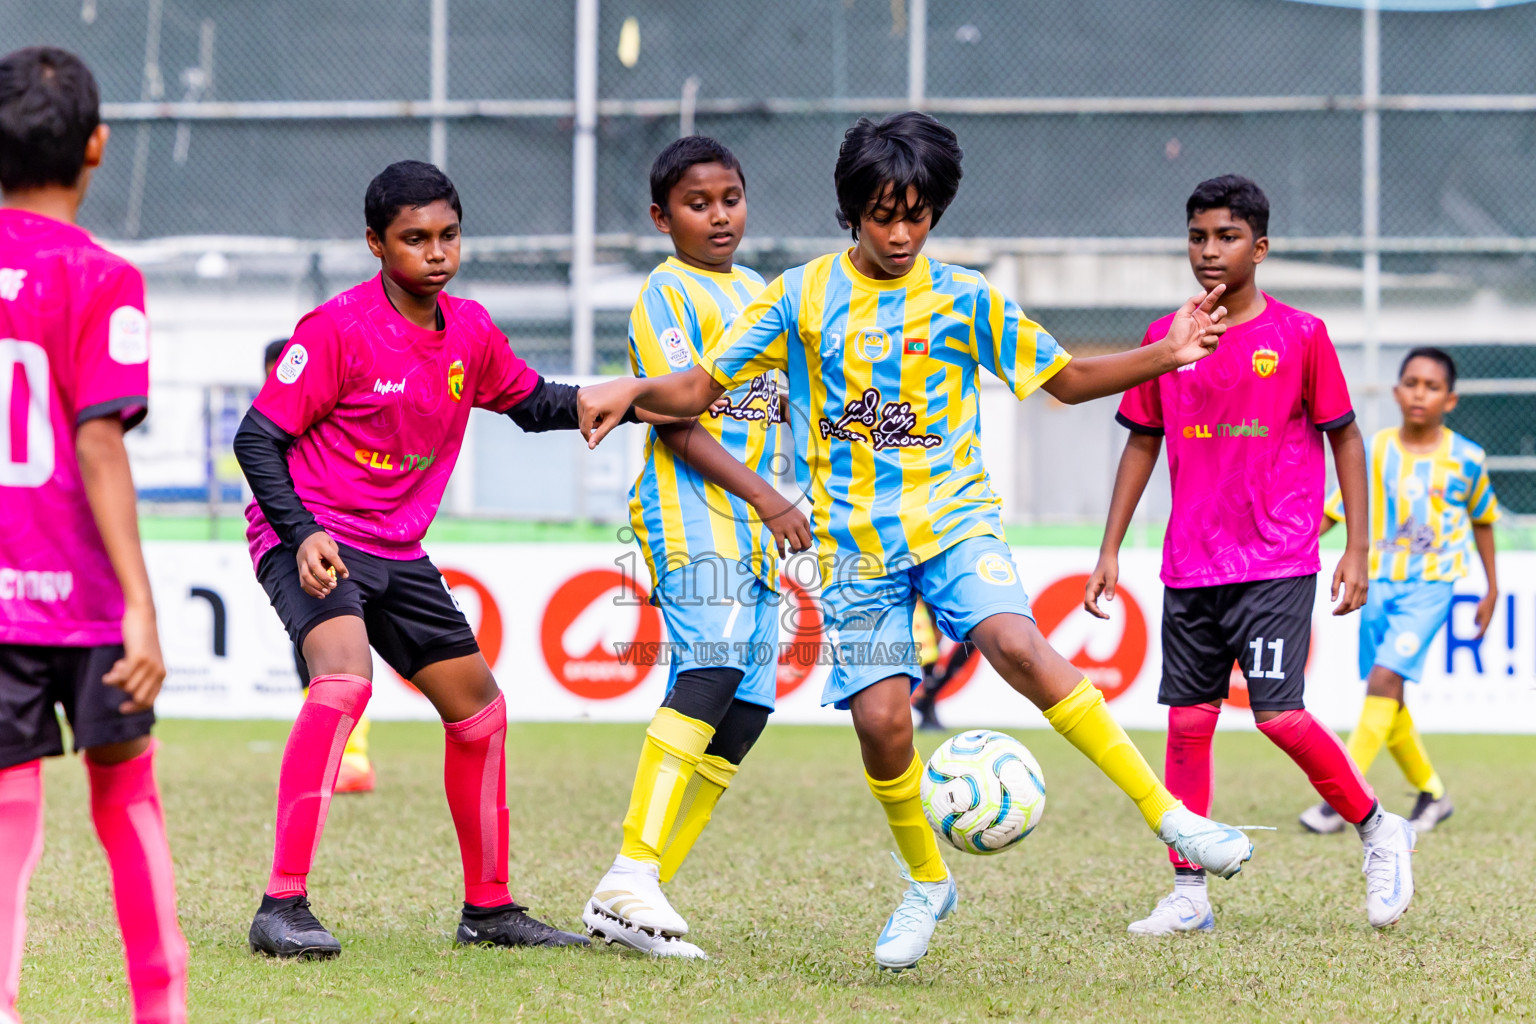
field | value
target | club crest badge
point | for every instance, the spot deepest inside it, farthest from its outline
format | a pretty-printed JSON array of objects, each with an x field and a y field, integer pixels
[
  {"x": 995, "y": 569},
  {"x": 872, "y": 344},
  {"x": 456, "y": 380},
  {"x": 1265, "y": 362}
]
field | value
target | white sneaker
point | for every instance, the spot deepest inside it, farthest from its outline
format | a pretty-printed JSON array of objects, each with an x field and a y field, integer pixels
[
  {"x": 1429, "y": 812},
  {"x": 1176, "y": 912},
  {"x": 630, "y": 893},
  {"x": 1322, "y": 819},
  {"x": 1220, "y": 849},
  {"x": 1388, "y": 869},
  {"x": 904, "y": 940},
  {"x": 607, "y": 928}
]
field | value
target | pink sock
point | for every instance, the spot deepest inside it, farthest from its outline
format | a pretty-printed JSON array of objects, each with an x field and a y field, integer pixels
[
  {"x": 475, "y": 778},
  {"x": 310, "y": 763},
  {"x": 1187, "y": 764},
  {"x": 21, "y": 823},
  {"x": 125, "y": 805},
  {"x": 1327, "y": 764}
]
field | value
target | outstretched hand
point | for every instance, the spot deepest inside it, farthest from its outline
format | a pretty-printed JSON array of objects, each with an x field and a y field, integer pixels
[
  {"x": 1196, "y": 327},
  {"x": 601, "y": 407}
]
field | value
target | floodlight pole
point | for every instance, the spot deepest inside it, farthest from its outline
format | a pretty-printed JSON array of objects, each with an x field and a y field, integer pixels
[
  {"x": 1370, "y": 206},
  {"x": 584, "y": 188},
  {"x": 917, "y": 53},
  {"x": 439, "y": 139}
]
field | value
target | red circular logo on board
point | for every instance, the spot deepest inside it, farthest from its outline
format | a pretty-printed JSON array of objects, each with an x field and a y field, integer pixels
[
  {"x": 1112, "y": 675},
  {"x": 798, "y": 651},
  {"x": 577, "y": 640}
]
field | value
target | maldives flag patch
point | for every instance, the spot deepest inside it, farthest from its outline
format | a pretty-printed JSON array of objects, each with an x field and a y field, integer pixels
[{"x": 915, "y": 347}]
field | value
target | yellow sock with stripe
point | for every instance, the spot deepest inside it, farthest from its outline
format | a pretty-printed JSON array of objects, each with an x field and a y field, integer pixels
[
  {"x": 357, "y": 743},
  {"x": 1084, "y": 721},
  {"x": 1371, "y": 731},
  {"x": 1408, "y": 751},
  {"x": 904, "y": 813},
  {"x": 673, "y": 746},
  {"x": 711, "y": 779}
]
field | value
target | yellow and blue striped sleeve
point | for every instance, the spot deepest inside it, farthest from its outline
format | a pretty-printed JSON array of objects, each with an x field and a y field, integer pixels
[
  {"x": 1482, "y": 505},
  {"x": 663, "y": 331},
  {"x": 758, "y": 340},
  {"x": 1333, "y": 508},
  {"x": 1015, "y": 349}
]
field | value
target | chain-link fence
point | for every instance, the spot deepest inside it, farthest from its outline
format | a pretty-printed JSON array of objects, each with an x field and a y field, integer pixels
[{"x": 1396, "y": 148}]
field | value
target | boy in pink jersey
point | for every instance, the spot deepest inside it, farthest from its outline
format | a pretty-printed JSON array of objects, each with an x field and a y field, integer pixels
[
  {"x": 77, "y": 621},
  {"x": 1245, "y": 455},
  {"x": 348, "y": 449}
]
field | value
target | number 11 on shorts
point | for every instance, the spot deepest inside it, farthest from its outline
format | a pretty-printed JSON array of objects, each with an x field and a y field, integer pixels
[{"x": 1275, "y": 671}]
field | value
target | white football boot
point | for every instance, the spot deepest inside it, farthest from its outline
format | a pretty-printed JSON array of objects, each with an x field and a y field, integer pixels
[
  {"x": 904, "y": 940},
  {"x": 1179, "y": 911},
  {"x": 614, "y": 932},
  {"x": 1220, "y": 849},
  {"x": 1388, "y": 868},
  {"x": 1322, "y": 819},
  {"x": 1429, "y": 812},
  {"x": 629, "y": 899}
]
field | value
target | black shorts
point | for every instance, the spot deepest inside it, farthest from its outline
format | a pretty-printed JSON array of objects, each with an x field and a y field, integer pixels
[
  {"x": 33, "y": 679},
  {"x": 406, "y": 606},
  {"x": 1263, "y": 625}
]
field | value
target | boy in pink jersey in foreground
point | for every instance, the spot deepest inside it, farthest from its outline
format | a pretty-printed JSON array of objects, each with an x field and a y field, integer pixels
[
  {"x": 348, "y": 449},
  {"x": 77, "y": 621},
  {"x": 1245, "y": 455}
]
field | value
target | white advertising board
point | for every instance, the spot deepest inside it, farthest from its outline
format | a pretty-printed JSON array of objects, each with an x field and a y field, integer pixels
[{"x": 556, "y": 620}]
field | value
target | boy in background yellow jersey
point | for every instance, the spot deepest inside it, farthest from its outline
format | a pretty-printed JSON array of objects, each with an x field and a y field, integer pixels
[
  {"x": 883, "y": 349},
  {"x": 1431, "y": 504},
  {"x": 707, "y": 518}
]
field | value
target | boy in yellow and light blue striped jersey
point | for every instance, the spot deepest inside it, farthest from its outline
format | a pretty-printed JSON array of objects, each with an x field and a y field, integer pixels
[
  {"x": 1431, "y": 504},
  {"x": 883, "y": 349},
  {"x": 710, "y": 548}
]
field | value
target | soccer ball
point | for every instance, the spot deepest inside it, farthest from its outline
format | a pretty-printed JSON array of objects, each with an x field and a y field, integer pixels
[{"x": 983, "y": 791}]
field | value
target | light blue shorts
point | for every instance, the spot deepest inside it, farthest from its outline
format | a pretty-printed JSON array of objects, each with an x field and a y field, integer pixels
[
  {"x": 870, "y": 621},
  {"x": 720, "y": 615},
  {"x": 1397, "y": 624}
]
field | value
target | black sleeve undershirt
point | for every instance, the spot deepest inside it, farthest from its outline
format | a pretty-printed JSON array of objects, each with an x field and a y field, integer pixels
[
  {"x": 552, "y": 406},
  {"x": 261, "y": 447}
]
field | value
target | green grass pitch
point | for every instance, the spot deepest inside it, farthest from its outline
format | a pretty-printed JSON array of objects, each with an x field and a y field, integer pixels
[{"x": 788, "y": 888}]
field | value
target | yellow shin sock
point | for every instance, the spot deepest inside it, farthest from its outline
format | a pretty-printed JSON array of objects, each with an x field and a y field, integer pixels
[
  {"x": 710, "y": 780},
  {"x": 1084, "y": 721},
  {"x": 1407, "y": 749},
  {"x": 904, "y": 813},
  {"x": 1370, "y": 733},
  {"x": 673, "y": 746}
]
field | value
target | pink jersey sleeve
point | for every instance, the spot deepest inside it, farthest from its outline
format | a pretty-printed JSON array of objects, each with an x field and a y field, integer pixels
[
  {"x": 505, "y": 379},
  {"x": 306, "y": 382},
  {"x": 1324, "y": 390},
  {"x": 112, "y": 358},
  {"x": 1141, "y": 408}
]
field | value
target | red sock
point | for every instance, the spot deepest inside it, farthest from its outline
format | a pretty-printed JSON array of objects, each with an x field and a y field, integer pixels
[
  {"x": 1187, "y": 764},
  {"x": 21, "y": 823},
  {"x": 310, "y": 763},
  {"x": 125, "y": 805},
  {"x": 475, "y": 778},
  {"x": 1327, "y": 764}
]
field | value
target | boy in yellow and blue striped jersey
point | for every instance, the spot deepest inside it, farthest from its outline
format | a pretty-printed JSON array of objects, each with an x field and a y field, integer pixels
[
  {"x": 1431, "y": 504},
  {"x": 883, "y": 349},
  {"x": 710, "y": 548}
]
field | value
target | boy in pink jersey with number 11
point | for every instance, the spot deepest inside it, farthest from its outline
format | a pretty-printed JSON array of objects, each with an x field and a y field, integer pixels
[
  {"x": 1245, "y": 435},
  {"x": 77, "y": 621}
]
